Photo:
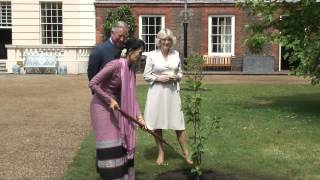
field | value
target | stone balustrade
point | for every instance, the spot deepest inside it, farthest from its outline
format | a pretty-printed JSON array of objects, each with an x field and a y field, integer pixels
[{"x": 75, "y": 58}]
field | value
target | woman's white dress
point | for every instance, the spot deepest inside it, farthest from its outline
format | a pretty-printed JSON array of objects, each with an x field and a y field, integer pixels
[{"x": 163, "y": 108}]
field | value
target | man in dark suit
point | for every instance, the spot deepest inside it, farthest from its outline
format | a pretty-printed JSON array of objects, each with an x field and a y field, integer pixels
[{"x": 109, "y": 50}]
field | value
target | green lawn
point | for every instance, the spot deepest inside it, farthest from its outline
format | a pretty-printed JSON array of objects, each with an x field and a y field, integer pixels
[{"x": 268, "y": 132}]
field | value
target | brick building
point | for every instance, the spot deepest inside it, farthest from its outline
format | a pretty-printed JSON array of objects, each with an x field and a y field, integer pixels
[{"x": 215, "y": 27}]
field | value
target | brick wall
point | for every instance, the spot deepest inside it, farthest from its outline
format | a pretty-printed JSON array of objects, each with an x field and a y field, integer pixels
[{"x": 197, "y": 27}]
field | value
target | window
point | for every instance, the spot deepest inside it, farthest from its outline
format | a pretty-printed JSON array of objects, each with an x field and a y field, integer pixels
[
  {"x": 51, "y": 23},
  {"x": 221, "y": 35},
  {"x": 5, "y": 16},
  {"x": 149, "y": 26}
]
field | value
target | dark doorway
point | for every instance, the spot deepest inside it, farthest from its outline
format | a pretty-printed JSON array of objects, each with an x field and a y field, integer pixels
[
  {"x": 285, "y": 64},
  {"x": 6, "y": 38}
]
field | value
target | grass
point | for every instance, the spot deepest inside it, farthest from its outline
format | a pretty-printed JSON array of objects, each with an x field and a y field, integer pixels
[{"x": 268, "y": 132}]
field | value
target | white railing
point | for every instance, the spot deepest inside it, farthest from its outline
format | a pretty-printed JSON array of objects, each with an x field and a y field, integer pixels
[{"x": 74, "y": 57}]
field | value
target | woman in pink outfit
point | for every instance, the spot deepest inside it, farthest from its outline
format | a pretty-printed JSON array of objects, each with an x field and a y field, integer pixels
[{"x": 114, "y": 87}]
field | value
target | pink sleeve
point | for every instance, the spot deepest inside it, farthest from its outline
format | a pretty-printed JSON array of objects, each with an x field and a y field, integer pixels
[{"x": 104, "y": 74}]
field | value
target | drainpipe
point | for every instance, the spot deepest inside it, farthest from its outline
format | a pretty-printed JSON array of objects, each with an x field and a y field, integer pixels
[{"x": 185, "y": 30}]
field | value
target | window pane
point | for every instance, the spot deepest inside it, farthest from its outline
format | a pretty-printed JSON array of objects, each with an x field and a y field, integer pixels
[
  {"x": 214, "y": 21},
  {"x": 214, "y": 48},
  {"x": 144, "y": 30},
  {"x": 145, "y": 20},
  {"x": 219, "y": 48},
  {"x": 158, "y": 28},
  {"x": 48, "y": 34},
  {"x": 54, "y": 13},
  {"x": 59, "y": 12},
  {"x": 228, "y": 48},
  {"x": 54, "y": 19},
  {"x": 214, "y": 39},
  {"x": 55, "y": 41},
  {"x": 152, "y": 22},
  {"x": 228, "y": 29},
  {"x": 228, "y": 39},
  {"x": 49, "y": 40},
  {"x": 221, "y": 30},
  {"x": 152, "y": 39},
  {"x": 158, "y": 20},
  {"x": 144, "y": 38},
  {"x": 214, "y": 30},
  {"x": 228, "y": 19},
  {"x": 221, "y": 21},
  {"x": 152, "y": 30}
]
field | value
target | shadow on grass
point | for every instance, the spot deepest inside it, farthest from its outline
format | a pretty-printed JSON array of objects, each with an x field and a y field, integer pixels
[
  {"x": 184, "y": 174},
  {"x": 152, "y": 153},
  {"x": 299, "y": 104}
]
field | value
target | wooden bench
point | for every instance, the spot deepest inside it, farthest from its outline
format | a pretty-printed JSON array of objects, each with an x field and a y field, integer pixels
[
  {"x": 41, "y": 61},
  {"x": 217, "y": 62}
]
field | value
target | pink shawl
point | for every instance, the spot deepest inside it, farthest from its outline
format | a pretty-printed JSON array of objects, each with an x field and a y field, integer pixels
[{"x": 129, "y": 105}]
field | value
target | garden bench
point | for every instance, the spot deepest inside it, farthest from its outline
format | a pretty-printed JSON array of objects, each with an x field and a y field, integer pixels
[
  {"x": 41, "y": 61},
  {"x": 217, "y": 62}
]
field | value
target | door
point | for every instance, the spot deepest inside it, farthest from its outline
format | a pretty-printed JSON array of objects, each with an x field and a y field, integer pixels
[{"x": 6, "y": 38}]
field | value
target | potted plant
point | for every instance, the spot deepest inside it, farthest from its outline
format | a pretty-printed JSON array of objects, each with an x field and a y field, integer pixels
[{"x": 259, "y": 34}]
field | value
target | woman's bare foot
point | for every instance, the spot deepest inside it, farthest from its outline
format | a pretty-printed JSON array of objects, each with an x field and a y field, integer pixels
[
  {"x": 189, "y": 161},
  {"x": 160, "y": 159},
  {"x": 186, "y": 158}
]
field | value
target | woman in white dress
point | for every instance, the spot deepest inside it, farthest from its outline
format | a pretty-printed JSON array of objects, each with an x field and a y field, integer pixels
[{"x": 163, "y": 108}]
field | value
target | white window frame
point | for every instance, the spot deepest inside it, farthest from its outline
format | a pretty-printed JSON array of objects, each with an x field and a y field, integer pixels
[
  {"x": 43, "y": 36},
  {"x": 232, "y": 38},
  {"x": 6, "y": 20},
  {"x": 140, "y": 23}
]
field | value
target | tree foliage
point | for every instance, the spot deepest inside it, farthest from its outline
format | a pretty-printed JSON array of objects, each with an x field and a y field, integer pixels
[
  {"x": 122, "y": 13},
  {"x": 293, "y": 24}
]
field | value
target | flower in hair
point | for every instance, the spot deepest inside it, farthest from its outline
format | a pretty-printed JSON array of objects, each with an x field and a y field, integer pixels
[{"x": 124, "y": 52}]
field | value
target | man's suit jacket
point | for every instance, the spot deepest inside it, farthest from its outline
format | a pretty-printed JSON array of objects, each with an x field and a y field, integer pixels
[{"x": 101, "y": 55}]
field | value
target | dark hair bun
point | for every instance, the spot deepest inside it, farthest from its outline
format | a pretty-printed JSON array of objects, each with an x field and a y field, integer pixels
[{"x": 134, "y": 44}]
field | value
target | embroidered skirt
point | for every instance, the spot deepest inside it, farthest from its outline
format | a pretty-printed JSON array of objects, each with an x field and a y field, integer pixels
[
  {"x": 111, "y": 157},
  {"x": 112, "y": 161}
]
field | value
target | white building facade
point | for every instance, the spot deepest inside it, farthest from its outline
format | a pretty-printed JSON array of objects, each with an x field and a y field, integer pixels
[{"x": 64, "y": 28}]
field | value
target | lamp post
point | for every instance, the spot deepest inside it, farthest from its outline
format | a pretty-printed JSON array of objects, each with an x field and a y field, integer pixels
[{"x": 185, "y": 30}]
